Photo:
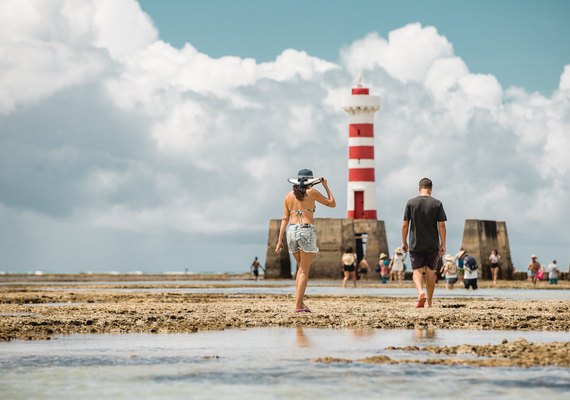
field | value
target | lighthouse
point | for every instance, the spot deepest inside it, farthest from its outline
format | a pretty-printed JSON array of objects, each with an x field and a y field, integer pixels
[
  {"x": 361, "y": 229},
  {"x": 361, "y": 189}
]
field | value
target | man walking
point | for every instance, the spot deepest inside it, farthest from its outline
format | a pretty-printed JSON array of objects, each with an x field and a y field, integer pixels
[{"x": 424, "y": 219}]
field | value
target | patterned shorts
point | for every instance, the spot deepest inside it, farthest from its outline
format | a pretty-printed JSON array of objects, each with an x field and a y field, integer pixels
[{"x": 302, "y": 238}]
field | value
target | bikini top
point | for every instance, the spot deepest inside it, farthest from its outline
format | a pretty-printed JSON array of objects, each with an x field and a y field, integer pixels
[{"x": 299, "y": 213}]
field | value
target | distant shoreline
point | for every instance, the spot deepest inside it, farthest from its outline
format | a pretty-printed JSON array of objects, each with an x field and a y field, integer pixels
[{"x": 563, "y": 284}]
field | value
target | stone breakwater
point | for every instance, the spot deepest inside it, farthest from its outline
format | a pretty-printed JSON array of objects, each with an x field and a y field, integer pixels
[{"x": 32, "y": 312}]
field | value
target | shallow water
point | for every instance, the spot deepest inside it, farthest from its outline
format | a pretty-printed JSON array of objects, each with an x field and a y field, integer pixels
[
  {"x": 317, "y": 287},
  {"x": 510, "y": 294},
  {"x": 264, "y": 363}
]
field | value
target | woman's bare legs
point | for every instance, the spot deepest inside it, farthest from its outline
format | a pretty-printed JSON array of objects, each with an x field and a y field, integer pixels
[
  {"x": 353, "y": 275},
  {"x": 400, "y": 273},
  {"x": 495, "y": 273},
  {"x": 345, "y": 280},
  {"x": 304, "y": 265},
  {"x": 297, "y": 257}
]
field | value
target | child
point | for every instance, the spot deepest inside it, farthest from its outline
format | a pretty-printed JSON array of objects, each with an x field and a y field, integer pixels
[{"x": 384, "y": 270}]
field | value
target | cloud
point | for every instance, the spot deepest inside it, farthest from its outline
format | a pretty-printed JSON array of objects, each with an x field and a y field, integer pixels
[
  {"x": 115, "y": 139},
  {"x": 406, "y": 55},
  {"x": 565, "y": 79}
]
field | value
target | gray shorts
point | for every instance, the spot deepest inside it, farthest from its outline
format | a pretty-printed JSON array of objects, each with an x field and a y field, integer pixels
[{"x": 302, "y": 238}]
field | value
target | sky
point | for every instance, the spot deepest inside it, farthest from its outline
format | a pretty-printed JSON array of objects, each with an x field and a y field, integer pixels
[{"x": 157, "y": 136}]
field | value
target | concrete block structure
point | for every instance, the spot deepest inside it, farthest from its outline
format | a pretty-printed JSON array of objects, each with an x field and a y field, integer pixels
[
  {"x": 480, "y": 237},
  {"x": 367, "y": 237}
]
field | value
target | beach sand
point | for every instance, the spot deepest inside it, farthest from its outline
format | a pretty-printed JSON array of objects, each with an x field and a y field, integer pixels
[{"x": 32, "y": 311}]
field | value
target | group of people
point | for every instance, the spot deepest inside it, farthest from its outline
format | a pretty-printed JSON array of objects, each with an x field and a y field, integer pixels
[
  {"x": 423, "y": 226},
  {"x": 392, "y": 268},
  {"x": 538, "y": 271}
]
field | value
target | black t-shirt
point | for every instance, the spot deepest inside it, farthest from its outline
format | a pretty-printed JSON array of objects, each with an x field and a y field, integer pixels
[{"x": 423, "y": 214}]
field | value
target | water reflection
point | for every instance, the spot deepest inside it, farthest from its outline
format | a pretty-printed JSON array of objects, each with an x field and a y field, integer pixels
[
  {"x": 424, "y": 333},
  {"x": 301, "y": 338},
  {"x": 363, "y": 333}
]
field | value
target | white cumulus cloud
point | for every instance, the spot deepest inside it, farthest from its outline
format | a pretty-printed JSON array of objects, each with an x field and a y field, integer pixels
[{"x": 114, "y": 137}]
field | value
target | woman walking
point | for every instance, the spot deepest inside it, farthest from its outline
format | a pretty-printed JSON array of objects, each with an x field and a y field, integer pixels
[
  {"x": 348, "y": 268},
  {"x": 494, "y": 258},
  {"x": 298, "y": 217}
]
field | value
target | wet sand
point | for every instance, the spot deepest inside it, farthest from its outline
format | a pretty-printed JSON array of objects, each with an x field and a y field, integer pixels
[{"x": 37, "y": 311}]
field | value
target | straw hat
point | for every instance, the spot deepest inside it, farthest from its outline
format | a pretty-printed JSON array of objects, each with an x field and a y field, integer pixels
[
  {"x": 448, "y": 257},
  {"x": 383, "y": 255},
  {"x": 398, "y": 250},
  {"x": 304, "y": 178},
  {"x": 533, "y": 256},
  {"x": 460, "y": 253}
]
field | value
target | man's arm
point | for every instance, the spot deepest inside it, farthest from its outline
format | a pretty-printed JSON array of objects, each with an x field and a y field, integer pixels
[
  {"x": 442, "y": 237},
  {"x": 405, "y": 227}
]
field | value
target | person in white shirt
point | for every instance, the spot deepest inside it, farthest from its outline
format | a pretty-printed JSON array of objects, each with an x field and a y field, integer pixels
[
  {"x": 397, "y": 264},
  {"x": 494, "y": 258},
  {"x": 553, "y": 272}
]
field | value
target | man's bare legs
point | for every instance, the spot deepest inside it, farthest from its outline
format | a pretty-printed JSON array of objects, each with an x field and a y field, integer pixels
[
  {"x": 419, "y": 280},
  {"x": 303, "y": 267},
  {"x": 430, "y": 283}
]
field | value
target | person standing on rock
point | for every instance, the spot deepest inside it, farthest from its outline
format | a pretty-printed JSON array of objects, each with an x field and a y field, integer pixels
[
  {"x": 424, "y": 220},
  {"x": 297, "y": 222}
]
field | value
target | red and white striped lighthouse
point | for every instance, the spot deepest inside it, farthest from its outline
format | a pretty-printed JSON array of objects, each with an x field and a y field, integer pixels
[{"x": 361, "y": 191}]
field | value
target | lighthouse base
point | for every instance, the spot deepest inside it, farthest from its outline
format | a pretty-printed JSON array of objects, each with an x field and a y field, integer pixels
[{"x": 334, "y": 235}]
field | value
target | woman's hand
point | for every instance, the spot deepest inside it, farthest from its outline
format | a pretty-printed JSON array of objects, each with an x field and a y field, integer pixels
[
  {"x": 279, "y": 247},
  {"x": 324, "y": 181}
]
